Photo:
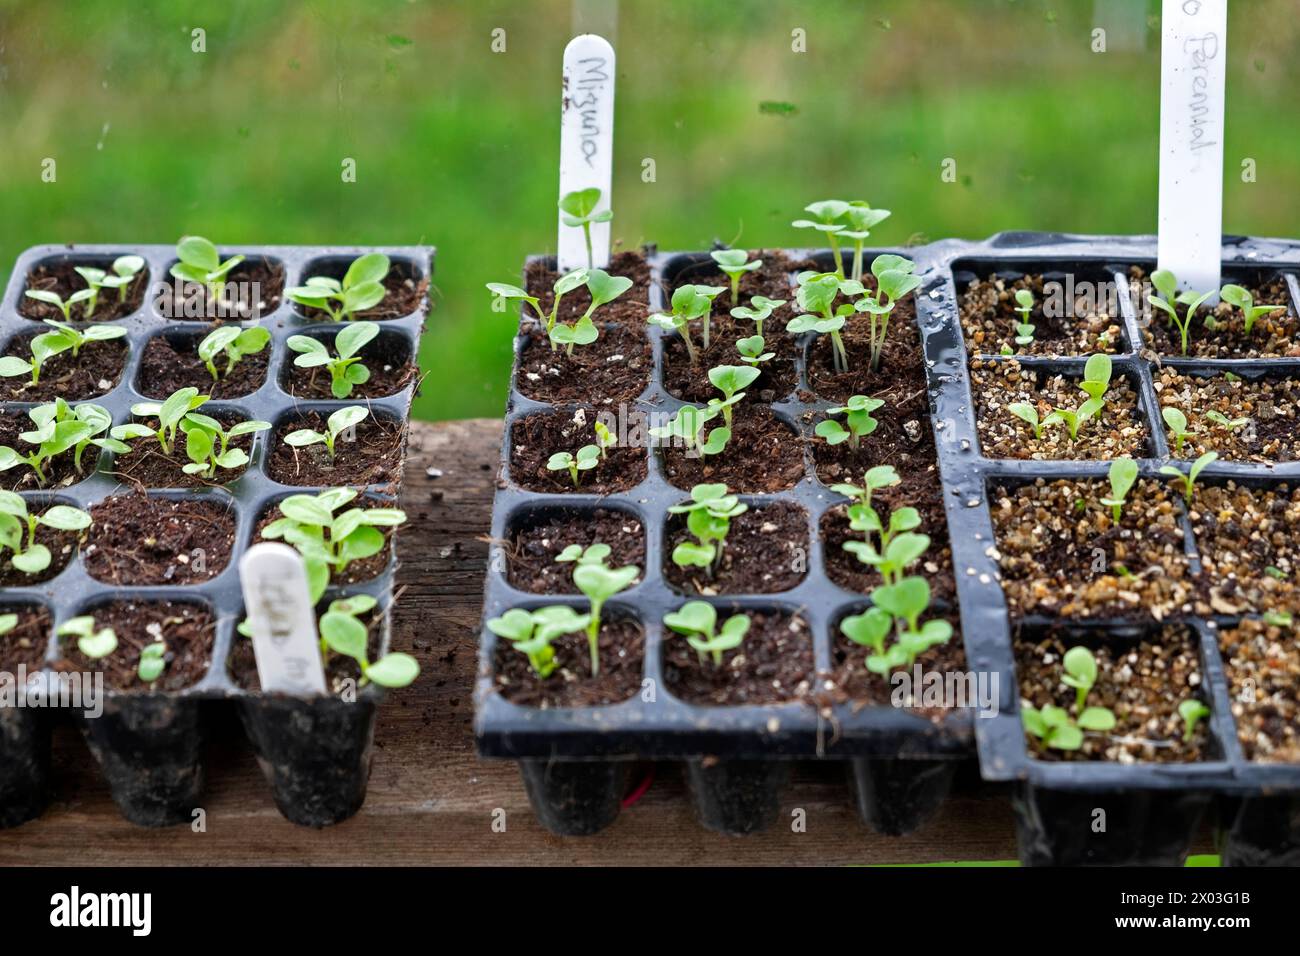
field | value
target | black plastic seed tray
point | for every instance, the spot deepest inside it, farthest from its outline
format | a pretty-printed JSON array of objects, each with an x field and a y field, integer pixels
[
  {"x": 1152, "y": 810},
  {"x": 314, "y": 751},
  {"x": 574, "y": 760}
]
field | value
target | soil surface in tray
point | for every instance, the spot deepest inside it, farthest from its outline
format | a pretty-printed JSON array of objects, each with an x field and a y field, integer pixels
[
  {"x": 341, "y": 673},
  {"x": 403, "y": 294},
  {"x": 844, "y": 568},
  {"x": 773, "y": 665},
  {"x": 25, "y": 644},
  {"x": 62, "y": 545},
  {"x": 989, "y": 319},
  {"x": 136, "y": 539},
  {"x": 859, "y": 687},
  {"x": 94, "y": 372},
  {"x": 60, "y": 471},
  {"x": 389, "y": 362},
  {"x": 763, "y": 455},
  {"x": 1274, "y": 335},
  {"x": 622, "y": 655},
  {"x": 166, "y": 367},
  {"x": 62, "y": 278},
  {"x": 612, "y": 370},
  {"x": 629, "y": 309},
  {"x": 1270, "y": 407},
  {"x": 777, "y": 378},
  {"x": 253, "y": 289},
  {"x": 772, "y": 280},
  {"x": 188, "y": 630},
  {"x": 766, "y": 551},
  {"x": 374, "y": 457},
  {"x": 535, "y": 543},
  {"x": 1249, "y": 543},
  {"x": 1118, "y": 429},
  {"x": 356, "y": 571},
  {"x": 535, "y": 438},
  {"x": 1062, "y": 554},
  {"x": 1142, "y": 684},
  {"x": 146, "y": 465},
  {"x": 1263, "y": 666},
  {"x": 900, "y": 359}
]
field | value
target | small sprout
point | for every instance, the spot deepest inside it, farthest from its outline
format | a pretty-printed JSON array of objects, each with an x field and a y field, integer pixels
[
  {"x": 1057, "y": 729},
  {"x": 361, "y": 288},
  {"x": 708, "y": 518},
  {"x": 604, "y": 288},
  {"x": 902, "y": 603},
  {"x": 200, "y": 262},
  {"x": 338, "y": 423},
  {"x": 1075, "y": 418},
  {"x": 563, "y": 286},
  {"x": 235, "y": 343},
  {"x": 899, "y": 545},
  {"x": 43, "y": 348},
  {"x": 1080, "y": 673},
  {"x": 1192, "y": 711},
  {"x": 729, "y": 380},
  {"x": 592, "y": 554},
  {"x": 1237, "y": 296},
  {"x": 96, "y": 333},
  {"x": 869, "y": 629},
  {"x": 94, "y": 282},
  {"x": 689, "y": 302},
  {"x": 344, "y": 633},
  {"x": 153, "y": 661},
  {"x": 1177, "y": 423},
  {"x": 894, "y": 280},
  {"x": 56, "y": 300},
  {"x": 207, "y": 444},
  {"x": 698, "y": 622},
  {"x": 600, "y": 583},
  {"x": 826, "y": 220},
  {"x": 816, "y": 297},
  {"x": 18, "y": 530},
  {"x": 1096, "y": 376},
  {"x": 170, "y": 413},
  {"x": 1223, "y": 421},
  {"x": 857, "y": 416},
  {"x": 7, "y": 623},
  {"x": 860, "y": 219},
  {"x": 588, "y": 457},
  {"x": 579, "y": 209},
  {"x": 124, "y": 272},
  {"x": 688, "y": 425},
  {"x": 734, "y": 264},
  {"x": 1188, "y": 481},
  {"x": 881, "y": 476},
  {"x": 1123, "y": 473},
  {"x": 58, "y": 429},
  {"x": 95, "y": 643},
  {"x": 752, "y": 352},
  {"x": 532, "y": 633},
  {"x": 346, "y": 370},
  {"x": 1029, "y": 414},
  {"x": 1025, "y": 306},
  {"x": 759, "y": 310},
  {"x": 605, "y": 439},
  {"x": 1273, "y": 618},
  {"x": 1168, "y": 301}
]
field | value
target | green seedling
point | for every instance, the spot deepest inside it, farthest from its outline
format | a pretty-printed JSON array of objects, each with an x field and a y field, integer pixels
[
  {"x": 565, "y": 284},
  {"x": 234, "y": 343},
  {"x": 1241, "y": 298},
  {"x": 1096, "y": 376},
  {"x": 816, "y": 297},
  {"x": 96, "y": 418},
  {"x": 1028, "y": 413},
  {"x": 343, "y": 632},
  {"x": 708, "y": 519},
  {"x": 688, "y": 426},
  {"x": 901, "y": 606},
  {"x": 689, "y": 302},
  {"x": 729, "y": 380},
  {"x": 751, "y": 350},
  {"x": 345, "y": 368},
  {"x": 894, "y": 280},
  {"x": 1075, "y": 418},
  {"x": 1123, "y": 473},
  {"x": 43, "y": 348},
  {"x": 531, "y": 633},
  {"x": 1188, "y": 481},
  {"x": 697, "y": 621},
  {"x": 1177, "y": 423},
  {"x": 1223, "y": 421},
  {"x": 338, "y": 423},
  {"x": 95, "y": 643},
  {"x": 200, "y": 262},
  {"x": 57, "y": 429},
  {"x": 170, "y": 413},
  {"x": 857, "y": 417},
  {"x": 734, "y": 264},
  {"x": 94, "y": 282},
  {"x": 826, "y": 220},
  {"x": 56, "y": 300},
  {"x": 207, "y": 444},
  {"x": 1080, "y": 673},
  {"x": 899, "y": 545},
  {"x": 881, "y": 476},
  {"x": 600, "y": 583},
  {"x": 361, "y": 288},
  {"x": 18, "y": 530},
  {"x": 604, "y": 288},
  {"x": 592, "y": 554},
  {"x": 7, "y": 623},
  {"x": 1192, "y": 711},
  {"x": 587, "y": 458},
  {"x": 1169, "y": 300},
  {"x": 124, "y": 272},
  {"x": 758, "y": 311},
  {"x": 605, "y": 439},
  {"x": 153, "y": 661},
  {"x": 859, "y": 220},
  {"x": 1057, "y": 729},
  {"x": 77, "y": 339},
  {"x": 579, "y": 210},
  {"x": 1025, "y": 306},
  {"x": 869, "y": 629}
]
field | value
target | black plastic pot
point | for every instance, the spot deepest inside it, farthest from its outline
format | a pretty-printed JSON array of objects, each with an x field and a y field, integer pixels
[{"x": 315, "y": 752}]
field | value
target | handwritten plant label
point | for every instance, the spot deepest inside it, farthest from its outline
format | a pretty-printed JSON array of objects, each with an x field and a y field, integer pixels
[
  {"x": 1193, "y": 64},
  {"x": 586, "y": 143},
  {"x": 283, "y": 621}
]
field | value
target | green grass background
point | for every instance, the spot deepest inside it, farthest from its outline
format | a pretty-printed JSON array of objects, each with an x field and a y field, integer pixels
[{"x": 456, "y": 145}]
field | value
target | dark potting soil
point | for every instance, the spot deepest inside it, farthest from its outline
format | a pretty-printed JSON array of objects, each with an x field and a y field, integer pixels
[
  {"x": 613, "y": 369},
  {"x": 389, "y": 362},
  {"x": 1262, "y": 662},
  {"x": 373, "y": 458},
  {"x": 25, "y": 645},
  {"x": 621, "y": 644},
  {"x": 533, "y": 546},
  {"x": 772, "y": 279},
  {"x": 902, "y": 438},
  {"x": 356, "y": 571},
  {"x": 341, "y": 673},
  {"x": 137, "y": 539},
  {"x": 146, "y": 466},
  {"x": 188, "y": 629},
  {"x": 773, "y": 665},
  {"x": 62, "y": 278},
  {"x": 844, "y": 568},
  {"x": 535, "y": 438},
  {"x": 989, "y": 319},
  {"x": 1274, "y": 335},
  {"x": 62, "y": 545},
  {"x": 691, "y": 382},
  {"x": 860, "y": 687},
  {"x": 94, "y": 372},
  {"x": 170, "y": 364},
  {"x": 189, "y": 301},
  {"x": 764, "y": 455},
  {"x": 1270, "y": 407},
  {"x": 766, "y": 551},
  {"x": 630, "y": 309},
  {"x": 403, "y": 295},
  {"x": 60, "y": 471},
  {"x": 900, "y": 359}
]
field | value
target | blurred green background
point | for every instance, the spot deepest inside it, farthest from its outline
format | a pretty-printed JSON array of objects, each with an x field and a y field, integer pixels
[{"x": 456, "y": 145}]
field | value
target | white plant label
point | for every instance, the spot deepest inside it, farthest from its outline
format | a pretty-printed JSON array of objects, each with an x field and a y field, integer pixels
[
  {"x": 280, "y": 613},
  {"x": 1193, "y": 65},
  {"x": 586, "y": 143}
]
